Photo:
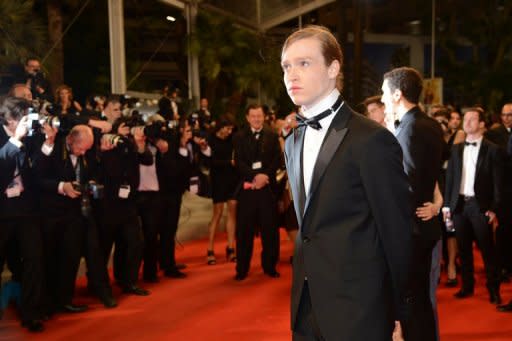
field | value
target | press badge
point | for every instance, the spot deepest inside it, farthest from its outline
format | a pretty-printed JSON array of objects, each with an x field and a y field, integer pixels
[
  {"x": 256, "y": 165},
  {"x": 124, "y": 191},
  {"x": 194, "y": 185},
  {"x": 14, "y": 190}
]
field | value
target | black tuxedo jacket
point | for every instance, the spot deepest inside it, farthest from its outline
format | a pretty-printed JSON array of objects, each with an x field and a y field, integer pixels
[
  {"x": 421, "y": 139},
  {"x": 488, "y": 176},
  {"x": 265, "y": 150},
  {"x": 499, "y": 136},
  {"x": 354, "y": 242},
  {"x": 10, "y": 157},
  {"x": 173, "y": 169},
  {"x": 50, "y": 170}
]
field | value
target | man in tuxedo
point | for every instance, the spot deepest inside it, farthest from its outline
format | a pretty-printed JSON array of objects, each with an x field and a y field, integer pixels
[
  {"x": 500, "y": 135},
  {"x": 257, "y": 157},
  {"x": 19, "y": 222},
  {"x": 349, "y": 188},
  {"x": 421, "y": 140},
  {"x": 473, "y": 192}
]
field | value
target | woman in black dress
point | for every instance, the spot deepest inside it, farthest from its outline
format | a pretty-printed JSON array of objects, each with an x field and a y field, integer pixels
[{"x": 224, "y": 181}]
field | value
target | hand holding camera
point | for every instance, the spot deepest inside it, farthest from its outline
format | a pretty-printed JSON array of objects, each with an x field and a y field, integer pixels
[
  {"x": 21, "y": 128},
  {"x": 71, "y": 189}
]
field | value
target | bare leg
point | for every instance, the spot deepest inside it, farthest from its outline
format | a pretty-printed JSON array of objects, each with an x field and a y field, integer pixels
[
  {"x": 214, "y": 223},
  {"x": 231, "y": 223},
  {"x": 451, "y": 244}
]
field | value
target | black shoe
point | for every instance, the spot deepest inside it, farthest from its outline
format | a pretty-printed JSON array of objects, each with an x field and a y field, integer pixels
[
  {"x": 494, "y": 297},
  {"x": 108, "y": 301},
  {"x": 210, "y": 257},
  {"x": 180, "y": 266},
  {"x": 273, "y": 274},
  {"x": 174, "y": 273},
  {"x": 240, "y": 277},
  {"x": 135, "y": 290},
  {"x": 451, "y": 282},
  {"x": 34, "y": 326},
  {"x": 463, "y": 293},
  {"x": 505, "y": 308},
  {"x": 74, "y": 308},
  {"x": 230, "y": 254}
]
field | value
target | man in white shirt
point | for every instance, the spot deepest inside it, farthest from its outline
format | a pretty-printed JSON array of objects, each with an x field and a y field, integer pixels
[{"x": 473, "y": 194}]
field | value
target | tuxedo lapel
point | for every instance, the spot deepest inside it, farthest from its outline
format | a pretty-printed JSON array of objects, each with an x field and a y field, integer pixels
[
  {"x": 334, "y": 137},
  {"x": 458, "y": 166},
  {"x": 481, "y": 155},
  {"x": 298, "y": 147}
]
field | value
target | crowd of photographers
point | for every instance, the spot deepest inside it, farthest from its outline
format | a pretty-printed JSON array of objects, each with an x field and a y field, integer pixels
[{"x": 75, "y": 181}]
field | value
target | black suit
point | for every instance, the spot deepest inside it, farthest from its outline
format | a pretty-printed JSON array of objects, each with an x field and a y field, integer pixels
[
  {"x": 502, "y": 137},
  {"x": 354, "y": 241},
  {"x": 421, "y": 139},
  {"x": 469, "y": 214},
  {"x": 257, "y": 208},
  {"x": 19, "y": 227}
]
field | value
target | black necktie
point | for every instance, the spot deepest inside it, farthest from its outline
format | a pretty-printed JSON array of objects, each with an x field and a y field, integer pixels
[
  {"x": 397, "y": 124},
  {"x": 470, "y": 143},
  {"x": 256, "y": 134},
  {"x": 314, "y": 122}
]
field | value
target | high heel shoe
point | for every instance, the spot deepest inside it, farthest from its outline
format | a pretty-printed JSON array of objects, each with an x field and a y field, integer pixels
[
  {"x": 230, "y": 254},
  {"x": 210, "y": 259}
]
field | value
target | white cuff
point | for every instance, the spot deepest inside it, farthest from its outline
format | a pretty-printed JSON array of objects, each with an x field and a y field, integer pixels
[
  {"x": 15, "y": 142},
  {"x": 46, "y": 149},
  {"x": 61, "y": 188},
  {"x": 207, "y": 151},
  {"x": 183, "y": 151}
]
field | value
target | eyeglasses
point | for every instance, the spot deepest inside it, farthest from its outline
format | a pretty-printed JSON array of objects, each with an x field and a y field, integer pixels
[{"x": 506, "y": 114}]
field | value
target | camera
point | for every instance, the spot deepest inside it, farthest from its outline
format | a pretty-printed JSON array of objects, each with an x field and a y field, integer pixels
[
  {"x": 37, "y": 120},
  {"x": 91, "y": 189},
  {"x": 114, "y": 139}
]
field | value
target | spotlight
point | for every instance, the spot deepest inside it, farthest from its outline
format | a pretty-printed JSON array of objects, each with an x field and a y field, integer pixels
[{"x": 170, "y": 18}]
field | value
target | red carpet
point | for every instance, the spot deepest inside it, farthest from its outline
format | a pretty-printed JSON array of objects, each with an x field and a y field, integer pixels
[{"x": 210, "y": 305}]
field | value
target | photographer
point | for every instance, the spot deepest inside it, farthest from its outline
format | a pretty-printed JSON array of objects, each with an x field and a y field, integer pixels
[
  {"x": 63, "y": 173},
  {"x": 35, "y": 79},
  {"x": 18, "y": 220},
  {"x": 119, "y": 169}
]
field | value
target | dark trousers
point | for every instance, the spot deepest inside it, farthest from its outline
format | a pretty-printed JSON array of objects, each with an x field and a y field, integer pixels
[
  {"x": 170, "y": 205},
  {"x": 12, "y": 257},
  {"x": 123, "y": 228},
  {"x": 148, "y": 207},
  {"x": 256, "y": 208},
  {"x": 25, "y": 232},
  {"x": 63, "y": 239},
  {"x": 471, "y": 225},
  {"x": 421, "y": 323},
  {"x": 97, "y": 273},
  {"x": 504, "y": 236},
  {"x": 306, "y": 327}
]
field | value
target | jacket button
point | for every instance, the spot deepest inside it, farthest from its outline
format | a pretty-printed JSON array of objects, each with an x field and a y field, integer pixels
[{"x": 306, "y": 240}]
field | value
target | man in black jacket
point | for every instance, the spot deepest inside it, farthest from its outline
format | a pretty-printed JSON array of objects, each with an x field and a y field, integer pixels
[
  {"x": 257, "y": 157},
  {"x": 18, "y": 218},
  {"x": 473, "y": 192},
  {"x": 421, "y": 140}
]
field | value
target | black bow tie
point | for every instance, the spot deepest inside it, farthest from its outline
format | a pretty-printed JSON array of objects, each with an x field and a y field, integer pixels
[
  {"x": 397, "y": 123},
  {"x": 256, "y": 134},
  {"x": 314, "y": 122},
  {"x": 470, "y": 144}
]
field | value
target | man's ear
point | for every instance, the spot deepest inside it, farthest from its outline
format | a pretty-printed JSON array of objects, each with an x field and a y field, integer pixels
[
  {"x": 397, "y": 94},
  {"x": 334, "y": 69}
]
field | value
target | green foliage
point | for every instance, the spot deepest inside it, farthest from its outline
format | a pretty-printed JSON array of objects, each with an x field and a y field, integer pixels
[{"x": 21, "y": 33}]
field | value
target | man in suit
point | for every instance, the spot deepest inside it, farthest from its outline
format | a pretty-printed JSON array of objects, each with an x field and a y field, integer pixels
[
  {"x": 473, "y": 192},
  {"x": 257, "y": 157},
  {"x": 500, "y": 135},
  {"x": 19, "y": 222},
  {"x": 350, "y": 194},
  {"x": 61, "y": 172},
  {"x": 421, "y": 140}
]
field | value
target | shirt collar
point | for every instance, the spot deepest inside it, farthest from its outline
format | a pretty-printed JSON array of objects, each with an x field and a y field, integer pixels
[
  {"x": 478, "y": 141},
  {"x": 321, "y": 106}
]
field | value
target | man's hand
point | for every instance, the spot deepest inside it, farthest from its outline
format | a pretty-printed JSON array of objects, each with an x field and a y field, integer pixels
[
  {"x": 162, "y": 145},
  {"x": 397, "y": 332},
  {"x": 493, "y": 219},
  {"x": 70, "y": 191},
  {"x": 201, "y": 142},
  {"x": 21, "y": 128},
  {"x": 106, "y": 144},
  {"x": 105, "y": 126},
  {"x": 50, "y": 133},
  {"x": 260, "y": 181},
  {"x": 123, "y": 129}
]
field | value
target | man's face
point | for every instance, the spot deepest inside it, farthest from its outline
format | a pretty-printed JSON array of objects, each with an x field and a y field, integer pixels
[
  {"x": 472, "y": 125},
  {"x": 32, "y": 66},
  {"x": 113, "y": 111},
  {"x": 204, "y": 103},
  {"x": 23, "y": 92},
  {"x": 390, "y": 99},
  {"x": 306, "y": 77},
  {"x": 80, "y": 146},
  {"x": 256, "y": 118},
  {"x": 376, "y": 112},
  {"x": 454, "y": 122},
  {"x": 506, "y": 115}
]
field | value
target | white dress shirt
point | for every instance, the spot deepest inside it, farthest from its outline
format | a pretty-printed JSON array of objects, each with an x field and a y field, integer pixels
[
  {"x": 313, "y": 138},
  {"x": 469, "y": 159},
  {"x": 148, "y": 176}
]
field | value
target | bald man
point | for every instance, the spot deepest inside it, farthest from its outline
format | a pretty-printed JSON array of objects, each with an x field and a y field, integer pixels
[{"x": 61, "y": 171}]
